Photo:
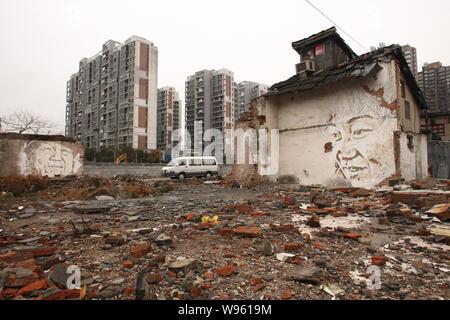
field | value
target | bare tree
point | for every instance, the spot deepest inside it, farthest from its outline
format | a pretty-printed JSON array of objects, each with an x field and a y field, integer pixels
[{"x": 27, "y": 122}]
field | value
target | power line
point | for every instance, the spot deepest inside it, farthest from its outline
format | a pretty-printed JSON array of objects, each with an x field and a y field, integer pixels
[{"x": 336, "y": 25}]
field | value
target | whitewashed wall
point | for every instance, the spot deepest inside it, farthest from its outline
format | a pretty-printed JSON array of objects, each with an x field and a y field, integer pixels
[{"x": 339, "y": 134}]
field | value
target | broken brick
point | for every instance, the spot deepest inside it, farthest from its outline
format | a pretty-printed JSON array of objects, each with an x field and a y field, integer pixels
[
  {"x": 138, "y": 251},
  {"x": 38, "y": 285},
  {"x": 313, "y": 222},
  {"x": 287, "y": 294},
  {"x": 378, "y": 260},
  {"x": 13, "y": 281},
  {"x": 247, "y": 231},
  {"x": 196, "y": 292},
  {"x": 291, "y": 246},
  {"x": 226, "y": 271},
  {"x": 14, "y": 257},
  {"x": 259, "y": 287},
  {"x": 154, "y": 278},
  {"x": 353, "y": 236}
]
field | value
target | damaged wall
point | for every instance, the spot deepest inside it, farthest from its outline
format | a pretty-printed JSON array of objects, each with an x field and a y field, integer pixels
[
  {"x": 343, "y": 133},
  {"x": 52, "y": 156}
]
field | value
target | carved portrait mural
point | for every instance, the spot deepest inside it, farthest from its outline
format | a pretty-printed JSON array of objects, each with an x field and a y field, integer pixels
[
  {"x": 361, "y": 144},
  {"x": 48, "y": 158}
]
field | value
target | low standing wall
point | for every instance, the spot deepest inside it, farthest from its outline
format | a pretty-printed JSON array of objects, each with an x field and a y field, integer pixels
[
  {"x": 41, "y": 155},
  {"x": 108, "y": 170}
]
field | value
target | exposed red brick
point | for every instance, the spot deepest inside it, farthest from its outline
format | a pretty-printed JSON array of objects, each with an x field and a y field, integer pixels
[
  {"x": 291, "y": 246},
  {"x": 247, "y": 231},
  {"x": 14, "y": 257},
  {"x": 8, "y": 293},
  {"x": 14, "y": 282},
  {"x": 171, "y": 274},
  {"x": 378, "y": 260},
  {"x": 287, "y": 295},
  {"x": 190, "y": 216},
  {"x": 208, "y": 275},
  {"x": 71, "y": 294},
  {"x": 353, "y": 236},
  {"x": 154, "y": 277},
  {"x": 339, "y": 214},
  {"x": 138, "y": 251},
  {"x": 128, "y": 291},
  {"x": 205, "y": 286},
  {"x": 415, "y": 218},
  {"x": 259, "y": 287},
  {"x": 226, "y": 232},
  {"x": 256, "y": 281},
  {"x": 226, "y": 271},
  {"x": 42, "y": 252},
  {"x": 38, "y": 285},
  {"x": 196, "y": 292},
  {"x": 283, "y": 228},
  {"x": 259, "y": 214},
  {"x": 161, "y": 258},
  {"x": 26, "y": 263},
  {"x": 314, "y": 222}
]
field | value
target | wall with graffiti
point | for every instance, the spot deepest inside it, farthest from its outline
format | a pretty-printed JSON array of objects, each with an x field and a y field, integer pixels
[
  {"x": 342, "y": 134},
  {"x": 33, "y": 155}
]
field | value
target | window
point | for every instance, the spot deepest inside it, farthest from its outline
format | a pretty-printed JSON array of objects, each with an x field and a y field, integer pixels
[
  {"x": 410, "y": 142},
  {"x": 407, "y": 110},
  {"x": 195, "y": 162},
  {"x": 439, "y": 129},
  {"x": 209, "y": 162},
  {"x": 402, "y": 88}
]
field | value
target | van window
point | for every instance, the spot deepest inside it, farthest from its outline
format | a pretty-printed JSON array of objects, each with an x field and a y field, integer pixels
[
  {"x": 195, "y": 162},
  {"x": 209, "y": 162},
  {"x": 182, "y": 162}
]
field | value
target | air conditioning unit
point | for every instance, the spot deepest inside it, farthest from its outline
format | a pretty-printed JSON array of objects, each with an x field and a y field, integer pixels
[{"x": 306, "y": 66}]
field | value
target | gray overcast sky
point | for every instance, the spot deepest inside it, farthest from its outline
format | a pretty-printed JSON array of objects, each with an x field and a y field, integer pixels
[{"x": 43, "y": 40}]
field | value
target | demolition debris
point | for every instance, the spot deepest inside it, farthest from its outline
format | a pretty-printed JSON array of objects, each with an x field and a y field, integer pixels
[{"x": 268, "y": 242}]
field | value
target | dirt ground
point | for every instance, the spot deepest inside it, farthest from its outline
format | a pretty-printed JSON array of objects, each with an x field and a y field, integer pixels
[{"x": 213, "y": 241}]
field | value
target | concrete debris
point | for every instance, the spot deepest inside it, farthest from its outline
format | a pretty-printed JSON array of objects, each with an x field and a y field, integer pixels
[{"x": 271, "y": 242}]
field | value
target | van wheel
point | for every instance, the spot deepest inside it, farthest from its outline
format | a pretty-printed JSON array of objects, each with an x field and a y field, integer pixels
[
  {"x": 181, "y": 176},
  {"x": 208, "y": 175}
]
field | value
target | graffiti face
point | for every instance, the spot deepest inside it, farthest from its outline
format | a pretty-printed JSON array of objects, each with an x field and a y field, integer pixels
[
  {"x": 360, "y": 145},
  {"x": 49, "y": 159},
  {"x": 53, "y": 159}
]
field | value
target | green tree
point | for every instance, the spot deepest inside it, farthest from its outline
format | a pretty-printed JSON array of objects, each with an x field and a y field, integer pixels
[{"x": 89, "y": 154}]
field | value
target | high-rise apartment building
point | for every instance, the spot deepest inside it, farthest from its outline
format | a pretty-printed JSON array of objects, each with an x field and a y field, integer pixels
[
  {"x": 169, "y": 106},
  {"x": 247, "y": 91},
  {"x": 210, "y": 98},
  {"x": 112, "y": 99},
  {"x": 410, "y": 54},
  {"x": 434, "y": 81}
]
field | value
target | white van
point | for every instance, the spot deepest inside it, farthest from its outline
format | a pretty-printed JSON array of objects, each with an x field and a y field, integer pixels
[{"x": 191, "y": 166}]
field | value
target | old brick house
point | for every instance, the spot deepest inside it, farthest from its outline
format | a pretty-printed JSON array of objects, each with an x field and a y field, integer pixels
[{"x": 347, "y": 120}]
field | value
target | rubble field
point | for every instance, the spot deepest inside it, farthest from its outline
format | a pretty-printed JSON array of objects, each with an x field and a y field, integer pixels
[{"x": 201, "y": 240}]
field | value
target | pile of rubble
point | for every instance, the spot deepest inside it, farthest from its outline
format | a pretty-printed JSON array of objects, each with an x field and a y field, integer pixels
[
  {"x": 74, "y": 188},
  {"x": 205, "y": 240}
]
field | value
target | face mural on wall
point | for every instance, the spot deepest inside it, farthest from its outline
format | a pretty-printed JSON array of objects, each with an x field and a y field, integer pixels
[
  {"x": 361, "y": 143},
  {"x": 46, "y": 158}
]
